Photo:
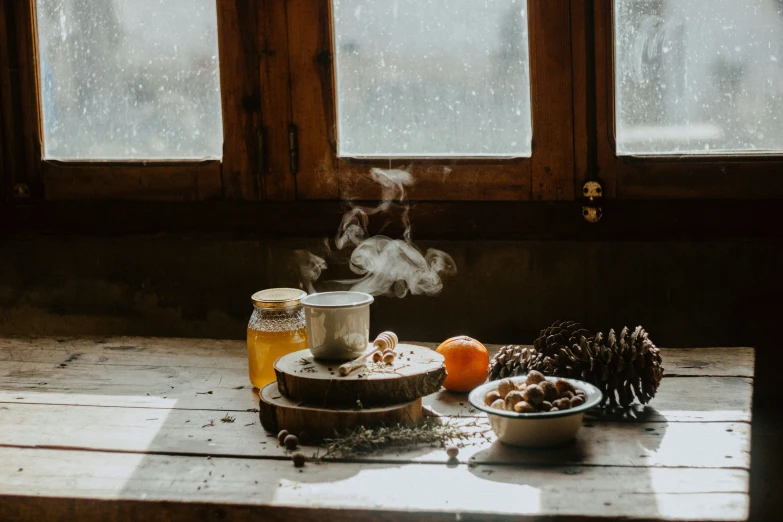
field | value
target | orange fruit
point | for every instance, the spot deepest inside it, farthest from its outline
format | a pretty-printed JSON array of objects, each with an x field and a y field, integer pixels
[{"x": 466, "y": 363}]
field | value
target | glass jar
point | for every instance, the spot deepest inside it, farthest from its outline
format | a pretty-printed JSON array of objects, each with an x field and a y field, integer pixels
[{"x": 276, "y": 328}]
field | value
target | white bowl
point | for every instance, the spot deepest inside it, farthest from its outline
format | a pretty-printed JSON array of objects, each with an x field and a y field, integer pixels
[{"x": 536, "y": 429}]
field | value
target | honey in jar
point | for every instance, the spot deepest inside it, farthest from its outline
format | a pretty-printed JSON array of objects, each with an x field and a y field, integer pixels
[{"x": 276, "y": 328}]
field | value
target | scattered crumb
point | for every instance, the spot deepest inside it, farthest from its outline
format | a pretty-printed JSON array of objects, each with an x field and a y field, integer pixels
[
  {"x": 228, "y": 418},
  {"x": 209, "y": 424},
  {"x": 235, "y": 387},
  {"x": 249, "y": 424},
  {"x": 20, "y": 469}
]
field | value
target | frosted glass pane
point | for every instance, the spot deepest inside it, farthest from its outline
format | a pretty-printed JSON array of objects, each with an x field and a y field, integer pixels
[
  {"x": 432, "y": 78},
  {"x": 129, "y": 79},
  {"x": 699, "y": 76}
]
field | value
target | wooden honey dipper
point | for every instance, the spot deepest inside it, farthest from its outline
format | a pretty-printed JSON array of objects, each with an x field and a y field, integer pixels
[{"x": 385, "y": 342}]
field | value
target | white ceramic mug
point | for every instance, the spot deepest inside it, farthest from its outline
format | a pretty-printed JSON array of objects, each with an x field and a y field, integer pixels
[{"x": 338, "y": 324}]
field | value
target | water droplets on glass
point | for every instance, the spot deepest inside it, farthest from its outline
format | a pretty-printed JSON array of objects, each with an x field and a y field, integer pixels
[
  {"x": 129, "y": 79},
  {"x": 432, "y": 78},
  {"x": 699, "y": 76}
]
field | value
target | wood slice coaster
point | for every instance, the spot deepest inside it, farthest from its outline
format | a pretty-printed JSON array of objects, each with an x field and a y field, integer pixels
[
  {"x": 417, "y": 371},
  {"x": 280, "y": 413}
]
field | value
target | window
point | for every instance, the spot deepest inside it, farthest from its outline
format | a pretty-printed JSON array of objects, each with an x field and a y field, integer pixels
[
  {"x": 699, "y": 77},
  {"x": 432, "y": 79},
  {"x": 688, "y": 99},
  {"x": 129, "y": 80},
  {"x": 502, "y": 100}
]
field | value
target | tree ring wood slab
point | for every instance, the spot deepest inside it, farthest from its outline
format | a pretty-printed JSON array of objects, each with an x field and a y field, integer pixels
[
  {"x": 277, "y": 412},
  {"x": 417, "y": 371}
]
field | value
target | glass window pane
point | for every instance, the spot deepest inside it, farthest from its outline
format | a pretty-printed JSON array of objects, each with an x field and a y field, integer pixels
[
  {"x": 432, "y": 78},
  {"x": 129, "y": 79},
  {"x": 699, "y": 76}
]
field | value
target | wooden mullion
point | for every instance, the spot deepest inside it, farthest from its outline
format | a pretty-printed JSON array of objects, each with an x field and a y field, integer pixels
[
  {"x": 312, "y": 92},
  {"x": 240, "y": 90},
  {"x": 7, "y": 164},
  {"x": 26, "y": 133},
  {"x": 551, "y": 95},
  {"x": 276, "y": 111}
]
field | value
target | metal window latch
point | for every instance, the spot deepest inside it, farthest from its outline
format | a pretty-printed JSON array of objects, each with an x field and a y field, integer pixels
[
  {"x": 592, "y": 193},
  {"x": 21, "y": 192}
]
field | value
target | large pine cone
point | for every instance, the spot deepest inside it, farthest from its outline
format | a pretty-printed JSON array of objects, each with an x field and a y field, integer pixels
[
  {"x": 516, "y": 360},
  {"x": 621, "y": 367}
]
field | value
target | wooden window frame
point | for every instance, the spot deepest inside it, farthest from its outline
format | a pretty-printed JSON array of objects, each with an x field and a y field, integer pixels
[
  {"x": 277, "y": 88},
  {"x": 319, "y": 174},
  {"x": 666, "y": 177},
  {"x": 235, "y": 176}
]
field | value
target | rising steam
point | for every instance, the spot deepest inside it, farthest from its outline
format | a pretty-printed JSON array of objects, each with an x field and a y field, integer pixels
[{"x": 385, "y": 266}]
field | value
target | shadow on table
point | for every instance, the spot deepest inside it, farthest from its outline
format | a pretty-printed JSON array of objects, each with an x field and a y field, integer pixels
[{"x": 552, "y": 468}]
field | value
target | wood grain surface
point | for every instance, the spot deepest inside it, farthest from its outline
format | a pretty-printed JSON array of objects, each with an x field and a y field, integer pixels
[
  {"x": 277, "y": 412},
  {"x": 416, "y": 372},
  {"x": 168, "y": 429}
]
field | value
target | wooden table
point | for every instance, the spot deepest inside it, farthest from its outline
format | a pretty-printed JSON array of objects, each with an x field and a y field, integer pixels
[{"x": 130, "y": 429}]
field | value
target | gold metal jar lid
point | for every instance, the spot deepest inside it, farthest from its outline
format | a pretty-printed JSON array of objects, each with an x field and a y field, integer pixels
[{"x": 278, "y": 297}]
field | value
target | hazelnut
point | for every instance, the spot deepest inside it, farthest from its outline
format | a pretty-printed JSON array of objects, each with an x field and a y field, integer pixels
[
  {"x": 291, "y": 442},
  {"x": 564, "y": 386},
  {"x": 550, "y": 391},
  {"x": 377, "y": 356},
  {"x": 554, "y": 408},
  {"x": 545, "y": 406},
  {"x": 512, "y": 398},
  {"x": 388, "y": 358},
  {"x": 524, "y": 407},
  {"x": 561, "y": 404},
  {"x": 534, "y": 394},
  {"x": 521, "y": 386},
  {"x": 387, "y": 350},
  {"x": 299, "y": 460},
  {"x": 491, "y": 397},
  {"x": 505, "y": 386},
  {"x": 578, "y": 400},
  {"x": 499, "y": 404},
  {"x": 452, "y": 452},
  {"x": 282, "y": 435},
  {"x": 566, "y": 395},
  {"x": 580, "y": 392},
  {"x": 535, "y": 377}
]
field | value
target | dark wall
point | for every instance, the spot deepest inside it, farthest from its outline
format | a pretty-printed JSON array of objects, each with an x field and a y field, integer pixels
[{"x": 684, "y": 293}]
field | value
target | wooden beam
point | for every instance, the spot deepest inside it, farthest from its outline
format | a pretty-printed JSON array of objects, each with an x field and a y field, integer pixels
[{"x": 636, "y": 220}]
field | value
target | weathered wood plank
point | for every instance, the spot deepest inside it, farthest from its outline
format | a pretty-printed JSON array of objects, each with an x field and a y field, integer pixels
[
  {"x": 122, "y": 371},
  {"x": 215, "y": 388},
  {"x": 281, "y": 492},
  {"x": 727, "y": 362},
  {"x": 714, "y": 444}
]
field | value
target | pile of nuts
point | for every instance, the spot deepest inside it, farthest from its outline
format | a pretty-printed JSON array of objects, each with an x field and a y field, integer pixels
[{"x": 534, "y": 395}]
